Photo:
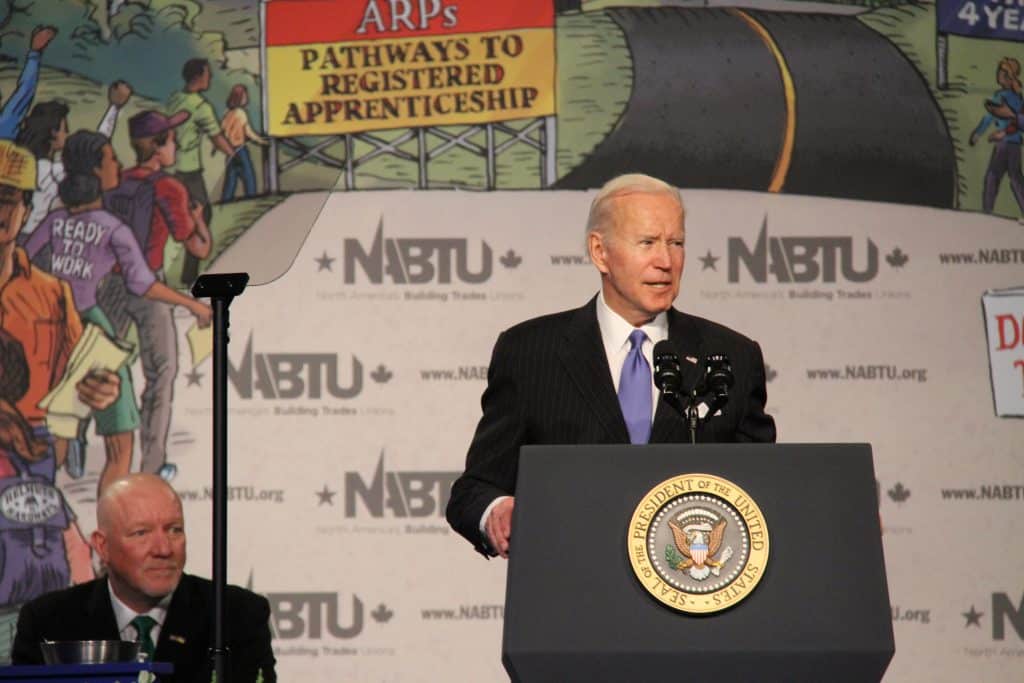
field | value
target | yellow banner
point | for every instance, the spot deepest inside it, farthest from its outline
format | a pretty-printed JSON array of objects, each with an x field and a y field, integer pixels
[{"x": 333, "y": 88}]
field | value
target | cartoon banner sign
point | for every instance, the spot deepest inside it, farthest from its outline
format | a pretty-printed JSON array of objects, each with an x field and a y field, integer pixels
[
  {"x": 980, "y": 19},
  {"x": 338, "y": 66},
  {"x": 1004, "y": 326}
]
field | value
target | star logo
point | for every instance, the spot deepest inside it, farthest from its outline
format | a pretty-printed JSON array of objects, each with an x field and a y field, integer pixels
[
  {"x": 709, "y": 261},
  {"x": 324, "y": 263},
  {"x": 194, "y": 378},
  {"x": 973, "y": 617},
  {"x": 326, "y": 496}
]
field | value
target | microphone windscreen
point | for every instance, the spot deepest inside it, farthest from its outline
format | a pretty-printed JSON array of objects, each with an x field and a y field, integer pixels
[
  {"x": 719, "y": 374},
  {"x": 667, "y": 375},
  {"x": 663, "y": 349}
]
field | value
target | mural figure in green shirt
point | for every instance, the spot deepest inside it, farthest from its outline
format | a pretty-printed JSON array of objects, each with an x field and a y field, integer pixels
[{"x": 202, "y": 123}]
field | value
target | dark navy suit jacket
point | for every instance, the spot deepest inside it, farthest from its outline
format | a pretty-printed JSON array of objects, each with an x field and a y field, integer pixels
[{"x": 549, "y": 383}]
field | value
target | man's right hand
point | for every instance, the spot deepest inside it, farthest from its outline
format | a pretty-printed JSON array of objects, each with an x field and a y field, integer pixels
[
  {"x": 41, "y": 37},
  {"x": 99, "y": 389},
  {"x": 203, "y": 314},
  {"x": 499, "y": 526}
]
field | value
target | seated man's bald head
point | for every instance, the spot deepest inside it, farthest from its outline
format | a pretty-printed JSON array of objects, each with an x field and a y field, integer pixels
[
  {"x": 140, "y": 536},
  {"x": 139, "y": 485}
]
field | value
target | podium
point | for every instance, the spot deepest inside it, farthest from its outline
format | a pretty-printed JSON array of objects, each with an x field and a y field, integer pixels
[
  {"x": 118, "y": 672},
  {"x": 575, "y": 609}
]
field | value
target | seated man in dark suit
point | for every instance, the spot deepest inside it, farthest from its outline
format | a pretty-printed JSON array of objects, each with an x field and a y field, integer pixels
[
  {"x": 584, "y": 376},
  {"x": 146, "y": 595}
]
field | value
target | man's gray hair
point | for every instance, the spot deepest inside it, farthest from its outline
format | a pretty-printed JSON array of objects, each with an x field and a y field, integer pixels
[{"x": 629, "y": 183}]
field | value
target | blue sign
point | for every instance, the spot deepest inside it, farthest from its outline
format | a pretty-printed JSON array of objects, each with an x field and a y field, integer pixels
[{"x": 982, "y": 18}]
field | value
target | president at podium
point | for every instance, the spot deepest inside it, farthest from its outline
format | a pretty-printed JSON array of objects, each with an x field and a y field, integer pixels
[{"x": 584, "y": 376}]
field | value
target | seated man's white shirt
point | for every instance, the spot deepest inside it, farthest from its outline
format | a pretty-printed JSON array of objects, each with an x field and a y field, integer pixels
[{"x": 124, "y": 615}]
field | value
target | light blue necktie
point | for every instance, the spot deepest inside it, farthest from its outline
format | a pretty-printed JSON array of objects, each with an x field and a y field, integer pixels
[{"x": 635, "y": 390}]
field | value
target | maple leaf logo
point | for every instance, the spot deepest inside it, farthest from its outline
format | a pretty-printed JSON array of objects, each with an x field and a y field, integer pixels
[
  {"x": 382, "y": 614},
  {"x": 897, "y": 259},
  {"x": 770, "y": 373},
  {"x": 382, "y": 375},
  {"x": 899, "y": 493},
  {"x": 511, "y": 259}
]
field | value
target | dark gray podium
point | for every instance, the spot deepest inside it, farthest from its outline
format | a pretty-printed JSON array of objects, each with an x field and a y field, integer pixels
[{"x": 575, "y": 611}]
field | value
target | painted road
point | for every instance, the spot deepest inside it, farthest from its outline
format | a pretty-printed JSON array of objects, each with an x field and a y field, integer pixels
[{"x": 810, "y": 104}]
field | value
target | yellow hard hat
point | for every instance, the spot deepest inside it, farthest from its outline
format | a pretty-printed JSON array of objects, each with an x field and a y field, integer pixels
[{"x": 17, "y": 166}]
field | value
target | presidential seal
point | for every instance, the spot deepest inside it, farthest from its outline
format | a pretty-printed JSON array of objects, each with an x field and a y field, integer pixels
[{"x": 698, "y": 543}]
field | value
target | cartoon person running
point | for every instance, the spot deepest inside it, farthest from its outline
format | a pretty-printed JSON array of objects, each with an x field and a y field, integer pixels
[{"x": 1006, "y": 156}]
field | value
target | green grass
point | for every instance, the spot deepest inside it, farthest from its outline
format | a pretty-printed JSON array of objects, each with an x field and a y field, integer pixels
[
  {"x": 237, "y": 20},
  {"x": 972, "y": 66},
  {"x": 229, "y": 222}
]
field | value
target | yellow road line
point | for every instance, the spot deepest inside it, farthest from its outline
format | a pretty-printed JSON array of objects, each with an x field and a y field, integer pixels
[{"x": 785, "y": 157}]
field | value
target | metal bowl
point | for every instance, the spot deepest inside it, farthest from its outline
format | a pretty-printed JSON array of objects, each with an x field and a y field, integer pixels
[{"x": 89, "y": 651}]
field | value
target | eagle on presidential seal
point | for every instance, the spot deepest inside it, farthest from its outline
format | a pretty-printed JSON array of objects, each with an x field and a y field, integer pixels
[{"x": 698, "y": 535}]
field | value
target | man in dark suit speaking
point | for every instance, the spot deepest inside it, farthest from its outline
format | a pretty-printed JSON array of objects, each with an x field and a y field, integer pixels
[
  {"x": 584, "y": 376},
  {"x": 140, "y": 537}
]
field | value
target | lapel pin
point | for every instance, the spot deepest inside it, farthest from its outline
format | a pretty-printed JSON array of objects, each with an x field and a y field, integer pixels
[{"x": 177, "y": 639}]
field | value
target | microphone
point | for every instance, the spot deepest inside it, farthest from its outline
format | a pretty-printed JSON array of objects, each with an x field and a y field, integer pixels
[
  {"x": 718, "y": 379},
  {"x": 667, "y": 375}
]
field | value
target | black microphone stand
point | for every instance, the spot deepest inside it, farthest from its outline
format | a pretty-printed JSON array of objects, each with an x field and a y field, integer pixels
[
  {"x": 221, "y": 289},
  {"x": 668, "y": 378},
  {"x": 692, "y": 414}
]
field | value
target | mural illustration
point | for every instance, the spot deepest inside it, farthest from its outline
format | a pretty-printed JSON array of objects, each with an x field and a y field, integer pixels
[{"x": 420, "y": 153}]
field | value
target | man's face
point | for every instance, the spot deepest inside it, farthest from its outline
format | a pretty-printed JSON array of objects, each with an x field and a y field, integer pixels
[
  {"x": 60, "y": 135},
  {"x": 640, "y": 255},
  {"x": 109, "y": 171},
  {"x": 1003, "y": 77},
  {"x": 13, "y": 212},
  {"x": 143, "y": 545},
  {"x": 204, "y": 79},
  {"x": 166, "y": 152}
]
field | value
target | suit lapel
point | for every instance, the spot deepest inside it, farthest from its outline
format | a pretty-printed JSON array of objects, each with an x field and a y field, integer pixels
[
  {"x": 689, "y": 344},
  {"x": 100, "y": 613},
  {"x": 586, "y": 362},
  {"x": 179, "y": 626}
]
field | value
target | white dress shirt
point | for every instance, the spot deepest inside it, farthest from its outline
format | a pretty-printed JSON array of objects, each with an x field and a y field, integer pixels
[
  {"x": 615, "y": 333},
  {"x": 124, "y": 615}
]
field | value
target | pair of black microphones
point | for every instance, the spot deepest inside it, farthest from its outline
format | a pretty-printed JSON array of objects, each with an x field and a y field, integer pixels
[{"x": 712, "y": 387}]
